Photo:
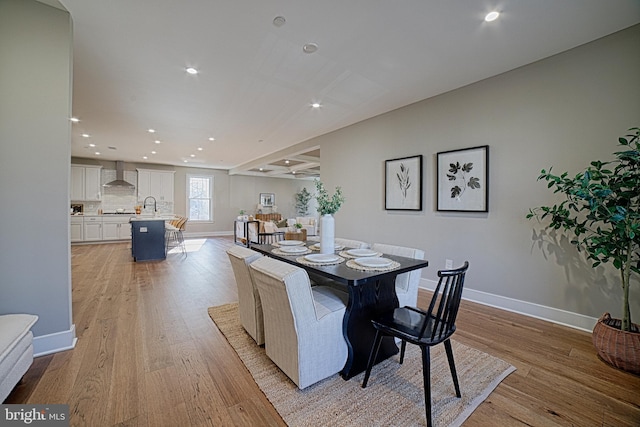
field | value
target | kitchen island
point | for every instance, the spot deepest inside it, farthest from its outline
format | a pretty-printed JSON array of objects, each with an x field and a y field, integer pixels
[{"x": 147, "y": 238}]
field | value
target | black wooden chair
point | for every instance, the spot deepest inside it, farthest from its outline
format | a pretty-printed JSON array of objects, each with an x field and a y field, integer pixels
[{"x": 425, "y": 328}]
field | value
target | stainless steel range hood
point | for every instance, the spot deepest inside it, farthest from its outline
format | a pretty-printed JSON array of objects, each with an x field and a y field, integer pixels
[{"x": 119, "y": 182}]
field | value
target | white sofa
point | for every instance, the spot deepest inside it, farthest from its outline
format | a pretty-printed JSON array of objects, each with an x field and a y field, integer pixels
[
  {"x": 16, "y": 349},
  {"x": 309, "y": 223}
]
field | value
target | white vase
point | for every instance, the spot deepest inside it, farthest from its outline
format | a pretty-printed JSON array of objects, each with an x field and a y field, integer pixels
[{"x": 327, "y": 234}]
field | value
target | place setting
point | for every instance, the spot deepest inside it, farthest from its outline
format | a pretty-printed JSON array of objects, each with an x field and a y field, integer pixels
[
  {"x": 359, "y": 253},
  {"x": 320, "y": 259},
  {"x": 316, "y": 247},
  {"x": 372, "y": 263},
  {"x": 290, "y": 247}
]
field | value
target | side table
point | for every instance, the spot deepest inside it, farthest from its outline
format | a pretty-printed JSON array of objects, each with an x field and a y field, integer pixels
[{"x": 296, "y": 235}]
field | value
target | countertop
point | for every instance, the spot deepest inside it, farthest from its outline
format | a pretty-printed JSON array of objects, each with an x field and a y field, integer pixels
[
  {"x": 151, "y": 218},
  {"x": 131, "y": 217}
]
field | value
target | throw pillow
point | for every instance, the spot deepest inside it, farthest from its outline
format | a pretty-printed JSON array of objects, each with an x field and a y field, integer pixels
[{"x": 281, "y": 223}]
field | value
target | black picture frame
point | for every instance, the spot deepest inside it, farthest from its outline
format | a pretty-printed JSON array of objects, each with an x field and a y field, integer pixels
[
  {"x": 463, "y": 180},
  {"x": 403, "y": 184}
]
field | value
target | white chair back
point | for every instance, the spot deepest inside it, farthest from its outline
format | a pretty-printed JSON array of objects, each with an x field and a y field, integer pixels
[
  {"x": 351, "y": 244},
  {"x": 302, "y": 325},
  {"x": 407, "y": 283},
  {"x": 249, "y": 304}
]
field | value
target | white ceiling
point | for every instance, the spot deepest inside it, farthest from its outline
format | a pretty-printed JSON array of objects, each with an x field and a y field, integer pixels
[{"x": 255, "y": 85}]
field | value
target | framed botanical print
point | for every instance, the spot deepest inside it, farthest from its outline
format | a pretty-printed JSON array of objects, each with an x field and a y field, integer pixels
[
  {"x": 267, "y": 199},
  {"x": 403, "y": 184},
  {"x": 463, "y": 180}
]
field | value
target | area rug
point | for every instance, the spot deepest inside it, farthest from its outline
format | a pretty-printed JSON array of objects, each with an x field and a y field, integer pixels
[{"x": 393, "y": 397}]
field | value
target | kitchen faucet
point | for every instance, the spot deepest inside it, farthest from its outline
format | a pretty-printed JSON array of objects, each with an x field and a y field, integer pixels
[{"x": 155, "y": 204}]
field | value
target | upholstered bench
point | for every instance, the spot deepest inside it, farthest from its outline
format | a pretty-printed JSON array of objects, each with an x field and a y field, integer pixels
[{"x": 16, "y": 349}]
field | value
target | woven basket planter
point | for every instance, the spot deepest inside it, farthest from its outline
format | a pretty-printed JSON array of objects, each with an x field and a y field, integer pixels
[{"x": 618, "y": 348}]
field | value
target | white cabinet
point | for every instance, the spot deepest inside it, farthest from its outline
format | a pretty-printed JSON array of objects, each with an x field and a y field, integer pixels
[
  {"x": 76, "y": 229},
  {"x": 116, "y": 228},
  {"x": 77, "y": 183},
  {"x": 158, "y": 184},
  {"x": 92, "y": 228},
  {"x": 85, "y": 183},
  {"x": 92, "y": 187}
]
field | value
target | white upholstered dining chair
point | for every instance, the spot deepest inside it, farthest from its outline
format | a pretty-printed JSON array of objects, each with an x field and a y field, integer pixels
[
  {"x": 249, "y": 305},
  {"x": 351, "y": 244},
  {"x": 407, "y": 283},
  {"x": 302, "y": 325}
]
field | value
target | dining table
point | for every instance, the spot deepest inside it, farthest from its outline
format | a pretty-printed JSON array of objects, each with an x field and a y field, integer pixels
[{"x": 370, "y": 294}]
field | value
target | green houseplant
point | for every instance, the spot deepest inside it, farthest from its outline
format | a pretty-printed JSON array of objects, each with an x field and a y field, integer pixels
[
  {"x": 327, "y": 206},
  {"x": 601, "y": 211},
  {"x": 302, "y": 201}
]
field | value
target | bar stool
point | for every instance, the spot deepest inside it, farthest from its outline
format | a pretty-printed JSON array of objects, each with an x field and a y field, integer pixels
[{"x": 173, "y": 234}]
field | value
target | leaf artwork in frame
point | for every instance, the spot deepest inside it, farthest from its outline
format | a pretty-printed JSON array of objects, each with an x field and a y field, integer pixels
[
  {"x": 463, "y": 180},
  {"x": 403, "y": 184}
]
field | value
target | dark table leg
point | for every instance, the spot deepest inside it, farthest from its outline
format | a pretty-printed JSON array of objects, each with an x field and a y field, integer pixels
[{"x": 366, "y": 302}]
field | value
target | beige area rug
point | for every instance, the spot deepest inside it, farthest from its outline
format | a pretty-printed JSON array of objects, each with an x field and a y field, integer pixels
[{"x": 393, "y": 397}]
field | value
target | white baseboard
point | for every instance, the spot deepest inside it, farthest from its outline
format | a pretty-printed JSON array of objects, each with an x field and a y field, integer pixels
[
  {"x": 550, "y": 314},
  {"x": 54, "y": 343}
]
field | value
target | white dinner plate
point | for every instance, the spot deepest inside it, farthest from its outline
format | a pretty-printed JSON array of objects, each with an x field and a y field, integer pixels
[
  {"x": 373, "y": 262},
  {"x": 362, "y": 252},
  {"x": 293, "y": 249},
  {"x": 336, "y": 247},
  {"x": 322, "y": 258},
  {"x": 290, "y": 243}
]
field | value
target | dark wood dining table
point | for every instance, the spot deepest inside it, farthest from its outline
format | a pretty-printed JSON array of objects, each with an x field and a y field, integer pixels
[{"x": 370, "y": 293}]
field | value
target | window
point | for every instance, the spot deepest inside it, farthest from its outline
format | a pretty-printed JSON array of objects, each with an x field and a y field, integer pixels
[{"x": 200, "y": 198}]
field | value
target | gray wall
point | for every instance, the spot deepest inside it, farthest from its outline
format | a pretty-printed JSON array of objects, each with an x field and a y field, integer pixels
[
  {"x": 35, "y": 106},
  {"x": 563, "y": 111}
]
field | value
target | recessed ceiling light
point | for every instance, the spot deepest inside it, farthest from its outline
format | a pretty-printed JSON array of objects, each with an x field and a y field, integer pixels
[
  {"x": 85, "y": 135},
  {"x": 145, "y": 157},
  {"x": 74, "y": 119},
  {"x": 97, "y": 153},
  {"x": 211, "y": 138},
  {"x": 293, "y": 172},
  {"x": 192, "y": 155},
  {"x": 186, "y": 161},
  {"x": 261, "y": 169},
  {"x": 153, "y": 152},
  {"x": 191, "y": 70},
  {"x": 315, "y": 105},
  {"x": 279, "y": 21},
  {"x": 152, "y": 131},
  {"x": 492, "y": 16},
  {"x": 286, "y": 162},
  {"x": 309, "y": 47},
  {"x": 199, "y": 148},
  {"x": 92, "y": 145},
  {"x": 157, "y": 141}
]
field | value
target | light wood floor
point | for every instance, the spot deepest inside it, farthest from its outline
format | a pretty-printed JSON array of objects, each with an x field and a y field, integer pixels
[{"x": 149, "y": 355}]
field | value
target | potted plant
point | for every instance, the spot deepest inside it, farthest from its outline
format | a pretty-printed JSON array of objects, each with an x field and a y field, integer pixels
[
  {"x": 327, "y": 207},
  {"x": 302, "y": 201},
  {"x": 601, "y": 211}
]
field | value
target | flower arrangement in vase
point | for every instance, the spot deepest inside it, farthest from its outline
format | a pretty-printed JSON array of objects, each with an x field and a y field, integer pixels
[{"x": 327, "y": 207}]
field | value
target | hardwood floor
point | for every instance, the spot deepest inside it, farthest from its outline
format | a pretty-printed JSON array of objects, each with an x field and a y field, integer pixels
[{"x": 149, "y": 355}]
